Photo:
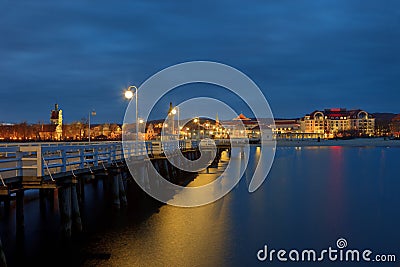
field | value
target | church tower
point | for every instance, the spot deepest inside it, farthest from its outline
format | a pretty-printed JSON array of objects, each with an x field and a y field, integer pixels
[{"x": 56, "y": 119}]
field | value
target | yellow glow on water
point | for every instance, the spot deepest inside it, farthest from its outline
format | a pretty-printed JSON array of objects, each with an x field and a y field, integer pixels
[{"x": 174, "y": 236}]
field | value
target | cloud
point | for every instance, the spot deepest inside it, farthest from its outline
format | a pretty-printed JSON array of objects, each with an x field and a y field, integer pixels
[{"x": 302, "y": 54}]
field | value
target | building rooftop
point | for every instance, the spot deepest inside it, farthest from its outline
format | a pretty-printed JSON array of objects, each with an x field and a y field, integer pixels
[
  {"x": 241, "y": 117},
  {"x": 396, "y": 118},
  {"x": 340, "y": 113}
]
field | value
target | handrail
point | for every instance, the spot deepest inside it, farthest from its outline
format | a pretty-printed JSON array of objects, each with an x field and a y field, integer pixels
[{"x": 42, "y": 159}]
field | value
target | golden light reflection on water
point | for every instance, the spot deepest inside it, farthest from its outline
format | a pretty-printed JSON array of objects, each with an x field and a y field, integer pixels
[
  {"x": 172, "y": 235},
  {"x": 208, "y": 176},
  {"x": 179, "y": 234},
  {"x": 211, "y": 186}
]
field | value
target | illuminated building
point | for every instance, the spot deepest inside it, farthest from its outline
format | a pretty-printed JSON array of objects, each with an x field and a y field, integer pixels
[
  {"x": 57, "y": 120},
  {"x": 287, "y": 129},
  {"x": 338, "y": 122},
  {"x": 395, "y": 126},
  {"x": 150, "y": 133},
  {"x": 241, "y": 127}
]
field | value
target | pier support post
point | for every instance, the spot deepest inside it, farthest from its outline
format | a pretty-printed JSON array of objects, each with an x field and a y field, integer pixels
[
  {"x": 154, "y": 183},
  {"x": 106, "y": 183},
  {"x": 20, "y": 211},
  {"x": 173, "y": 170},
  {"x": 122, "y": 193},
  {"x": 167, "y": 172},
  {"x": 53, "y": 194},
  {"x": 146, "y": 173},
  {"x": 115, "y": 191},
  {"x": 7, "y": 204},
  {"x": 65, "y": 210},
  {"x": 80, "y": 189},
  {"x": 3, "y": 262},
  {"x": 42, "y": 201},
  {"x": 76, "y": 215}
]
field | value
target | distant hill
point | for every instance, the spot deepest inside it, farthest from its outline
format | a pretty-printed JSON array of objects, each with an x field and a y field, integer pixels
[
  {"x": 383, "y": 120},
  {"x": 287, "y": 119},
  {"x": 384, "y": 116}
]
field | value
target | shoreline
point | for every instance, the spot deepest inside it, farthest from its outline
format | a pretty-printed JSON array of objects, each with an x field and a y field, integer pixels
[{"x": 358, "y": 142}]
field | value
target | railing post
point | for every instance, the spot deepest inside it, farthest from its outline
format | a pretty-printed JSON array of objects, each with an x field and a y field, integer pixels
[
  {"x": 63, "y": 160},
  {"x": 108, "y": 153},
  {"x": 82, "y": 158},
  {"x": 129, "y": 151},
  {"x": 111, "y": 151},
  {"x": 18, "y": 155},
  {"x": 142, "y": 148},
  {"x": 117, "y": 148},
  {"x": 149, "y": 148},
  {"x": 39, "y": 162},
  {"x": 115, "y": 152},
  {"x": 96, "y": 156}
]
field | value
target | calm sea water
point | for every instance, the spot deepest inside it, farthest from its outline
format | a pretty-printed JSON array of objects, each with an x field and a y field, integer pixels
[{"x": 311, "y": 198}]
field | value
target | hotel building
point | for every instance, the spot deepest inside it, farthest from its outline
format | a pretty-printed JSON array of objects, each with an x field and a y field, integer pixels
[{"x": 338, "y": 122}]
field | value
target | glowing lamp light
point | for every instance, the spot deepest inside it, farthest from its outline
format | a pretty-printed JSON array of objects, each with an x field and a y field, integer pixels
[
  {"x": 173, "y": 111},
  {"x": 128, "y": 94}
]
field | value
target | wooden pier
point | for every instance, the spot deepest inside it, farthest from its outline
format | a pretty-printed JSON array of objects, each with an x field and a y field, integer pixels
[{"x": 64, "y": 168}]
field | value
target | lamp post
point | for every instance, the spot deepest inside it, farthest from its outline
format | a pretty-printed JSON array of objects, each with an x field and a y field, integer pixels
[
  {"x": 129, "y": 95},
  {"x": 91, "y": 113},
  {"x": 197, "y": 121},
  {"x": 174, "y": 111}
]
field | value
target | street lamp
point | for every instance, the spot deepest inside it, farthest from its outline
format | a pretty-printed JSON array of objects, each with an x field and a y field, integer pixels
[
  {"x": 197, "y": 121},
  {"x": 142, "y": 127},
  {"x": 129, "y": 95},
  {"x": 174, "y": 111},
  {"x": 91, "y": 113}
]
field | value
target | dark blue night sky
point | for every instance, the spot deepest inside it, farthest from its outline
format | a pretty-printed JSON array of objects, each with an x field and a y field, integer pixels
[{"x": 304, "y": 55}]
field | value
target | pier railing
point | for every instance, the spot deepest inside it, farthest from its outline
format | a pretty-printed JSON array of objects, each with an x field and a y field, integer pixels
[{"x": 47, "y": 159}]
